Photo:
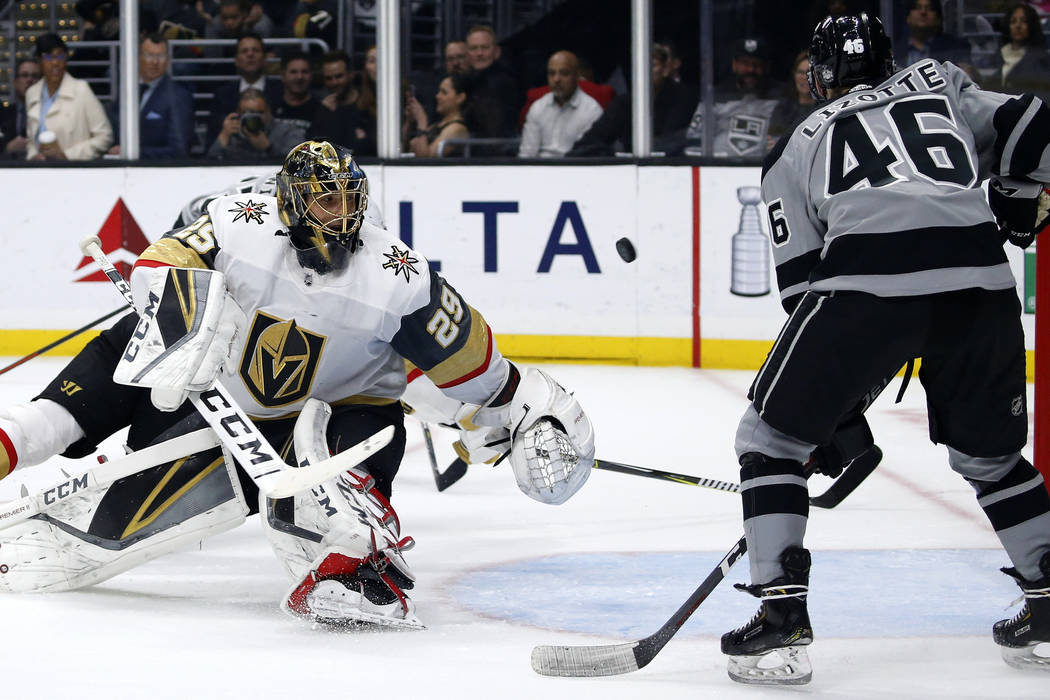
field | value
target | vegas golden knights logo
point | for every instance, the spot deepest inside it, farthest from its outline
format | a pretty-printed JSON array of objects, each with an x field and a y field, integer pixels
[{"x": 279, "y": 360}]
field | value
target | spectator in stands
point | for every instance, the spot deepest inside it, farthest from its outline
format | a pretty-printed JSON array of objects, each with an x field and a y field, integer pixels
[
  {"x": 335, "y": 72},
  {"x": 250, "y": 61},
  {"x": 797, "y": 102},
  {"x": 13, "y": 114},
  {"x": 165, "y": 107},
  {"x": 236, "y": 17},
  {"x": 366, "y": 83},
  {"x": 743, "y": 107},
  {"x": 426, "y": 140},
  {"x": 1023, "y": 64},
  {"x": 673, "y": 105},
  {"x": 251, "y": 133},
  {"x": 495, "y": 98},
  {"x": 297, "y": 103},
  {"x": 65, "y": 108},
  {"x": 339, "y": 118},
  {"x": 927, "y": 38},
  {"x": 457, "y": 58},
  {"x": 559, "y": 118}
]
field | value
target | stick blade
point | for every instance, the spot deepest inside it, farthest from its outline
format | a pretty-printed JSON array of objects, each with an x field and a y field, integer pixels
[
  {"x": 584, "y": 662},
  {"x": 292, "y": 480},
  {"x": 456, "y": 471}
]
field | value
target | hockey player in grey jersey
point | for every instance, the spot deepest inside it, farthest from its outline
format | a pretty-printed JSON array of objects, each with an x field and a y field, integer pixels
[{"x": 885, "y": 250}]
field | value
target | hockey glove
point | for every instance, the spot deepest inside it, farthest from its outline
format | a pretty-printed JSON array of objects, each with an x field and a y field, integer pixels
[
  {"x": 1022, "y": 209},
  {"x": 184, "y": 336},
  {"x": 552, "y": 448}
]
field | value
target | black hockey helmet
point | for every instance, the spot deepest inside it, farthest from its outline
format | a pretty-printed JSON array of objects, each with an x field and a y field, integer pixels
[
  {"x": 322, "y": 194},
  {"x": 847, "y": 51}
]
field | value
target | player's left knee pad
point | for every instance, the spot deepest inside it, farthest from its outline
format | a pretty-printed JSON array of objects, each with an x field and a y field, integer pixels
[{"x": 97, "y": 533}]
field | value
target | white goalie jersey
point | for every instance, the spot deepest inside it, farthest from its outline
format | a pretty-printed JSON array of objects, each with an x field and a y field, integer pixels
[{"x": 340, "y": 337}]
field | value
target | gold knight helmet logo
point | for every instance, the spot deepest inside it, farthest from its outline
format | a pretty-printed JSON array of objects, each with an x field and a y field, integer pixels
[{"x": 280, "y": 360}]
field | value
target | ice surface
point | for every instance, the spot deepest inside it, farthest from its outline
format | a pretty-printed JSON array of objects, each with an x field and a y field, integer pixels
[{"x": 905, "y": 586}]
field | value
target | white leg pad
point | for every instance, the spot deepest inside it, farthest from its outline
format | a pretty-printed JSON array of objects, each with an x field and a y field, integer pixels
[{"x": 54, "y": 550}]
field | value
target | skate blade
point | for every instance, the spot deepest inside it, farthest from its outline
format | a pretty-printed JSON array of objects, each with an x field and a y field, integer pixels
[
  {"x": 1035, "y": 656},
  {"x": 783, "y": 666}
]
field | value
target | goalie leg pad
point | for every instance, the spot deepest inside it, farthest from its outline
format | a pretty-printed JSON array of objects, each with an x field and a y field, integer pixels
[
  {"x": 341, "y": 543},
  {"x": 98, "y": 533}
]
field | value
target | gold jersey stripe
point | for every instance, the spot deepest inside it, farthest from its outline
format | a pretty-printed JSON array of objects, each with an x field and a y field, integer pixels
[
  {"x": 171, "y": 252},
  {"x": 349, "y": 401},
  {"x": 468, "y": 358}
]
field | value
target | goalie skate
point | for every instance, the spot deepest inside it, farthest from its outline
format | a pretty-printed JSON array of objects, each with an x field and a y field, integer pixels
[{"x": 345, "y": 591}]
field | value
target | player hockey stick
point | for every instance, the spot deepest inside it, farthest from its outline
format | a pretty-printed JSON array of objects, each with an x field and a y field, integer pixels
[
  {"x": 714, "y": 484},
  {"x": 63, "y": 339},
  {"x": 455, "y": 471},
  {"x": 614, "y": 659},
  {"x": 28, "y": 505},
  {"x": 237, "y": 432},
  {"x": 856, "y": 472}
]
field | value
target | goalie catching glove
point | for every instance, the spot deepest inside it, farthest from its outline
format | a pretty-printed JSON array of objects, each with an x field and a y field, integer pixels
[
  {"x": 552, "y": 440},
  {"x": 185, "y": 334},
  {"x": 1022, "y": 209}
]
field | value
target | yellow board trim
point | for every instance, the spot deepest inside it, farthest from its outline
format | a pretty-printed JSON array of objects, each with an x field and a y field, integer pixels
[{"x": 598, "y": 350}]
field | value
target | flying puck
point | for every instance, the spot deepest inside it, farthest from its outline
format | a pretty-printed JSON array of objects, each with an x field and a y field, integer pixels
[{"x": 626, "y": 250}]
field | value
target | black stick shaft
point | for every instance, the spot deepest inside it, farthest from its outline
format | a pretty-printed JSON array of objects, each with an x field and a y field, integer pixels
[
  {"x": 63, "y": 339},
  {"x": 666, "y": 476}
]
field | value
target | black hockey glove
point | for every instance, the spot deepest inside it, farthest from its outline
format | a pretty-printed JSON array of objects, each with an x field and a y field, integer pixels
[{"x": 1022, "y": 209}]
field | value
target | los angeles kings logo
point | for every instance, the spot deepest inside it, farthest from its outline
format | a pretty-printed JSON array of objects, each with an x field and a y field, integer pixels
[{"x": 280, "y": 359}]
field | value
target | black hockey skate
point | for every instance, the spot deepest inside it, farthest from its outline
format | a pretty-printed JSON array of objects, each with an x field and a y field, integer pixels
[
  {"x": 771, "y": 648},
  {"x": 1024, "y": 641}
]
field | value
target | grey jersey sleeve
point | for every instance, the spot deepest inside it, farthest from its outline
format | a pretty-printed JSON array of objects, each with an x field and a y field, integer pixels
[
  {"x": 1011, "y": 133},
  {"x": 796, "y": 233}
]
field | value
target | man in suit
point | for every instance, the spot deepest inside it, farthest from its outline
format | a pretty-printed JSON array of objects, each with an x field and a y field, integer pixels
[
  {"x": 13, "y": 114},
  {"x": 165, "y": 107},
  {"x": 250, "y": 61}
]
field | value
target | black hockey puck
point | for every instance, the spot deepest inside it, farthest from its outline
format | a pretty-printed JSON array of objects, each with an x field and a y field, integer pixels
[{"x": 626, "y": 250}]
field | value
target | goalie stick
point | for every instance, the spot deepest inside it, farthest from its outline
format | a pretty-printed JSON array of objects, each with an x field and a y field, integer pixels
[
  {"x": 238, "y": 434},
  {"x": 454, "y": 472},
  {"x": 614, "y": 659}
]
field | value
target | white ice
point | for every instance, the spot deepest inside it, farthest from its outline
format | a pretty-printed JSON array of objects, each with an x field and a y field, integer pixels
[{"x": 905, "y": 586}]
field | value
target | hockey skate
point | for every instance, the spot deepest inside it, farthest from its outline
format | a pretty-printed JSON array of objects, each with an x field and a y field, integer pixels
[
  {"x": 1024, "y": 641},
  {"x": 771, "y": 648},
  {"x": 351, "y": 592}
]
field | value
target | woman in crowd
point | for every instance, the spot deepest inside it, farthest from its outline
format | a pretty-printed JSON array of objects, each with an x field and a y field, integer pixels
[
  {"x": 796, "y": 103},
  {"x": 452, "y": 106},
  {"x": 64, "y": 119},
  {"x": 1024, "y": 65}
]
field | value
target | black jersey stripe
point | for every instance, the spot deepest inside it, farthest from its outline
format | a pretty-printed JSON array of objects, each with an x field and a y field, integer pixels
[
  {"x": 797, "y": 269},
  {"x": 913, "y": 250}
]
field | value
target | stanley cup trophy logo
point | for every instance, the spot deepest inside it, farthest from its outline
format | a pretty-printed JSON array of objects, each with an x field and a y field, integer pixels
[{"x": 750, "y": 272}]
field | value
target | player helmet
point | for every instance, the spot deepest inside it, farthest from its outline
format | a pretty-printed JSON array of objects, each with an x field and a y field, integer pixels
[
  {"x": 847, "y": 51},
  {"x": 322, "y": 194}
]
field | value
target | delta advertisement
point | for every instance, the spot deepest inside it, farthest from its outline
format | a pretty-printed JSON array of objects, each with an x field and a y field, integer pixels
[{"x": 532, "y": 248}]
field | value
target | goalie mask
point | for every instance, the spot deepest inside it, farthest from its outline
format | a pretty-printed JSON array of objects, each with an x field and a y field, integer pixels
[
  {"x": 848, "y": 51},
  {"x": 322, "y": 194}
]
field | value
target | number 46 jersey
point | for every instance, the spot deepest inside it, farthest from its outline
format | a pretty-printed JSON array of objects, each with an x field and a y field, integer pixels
[{"x": 880, "y": 190}]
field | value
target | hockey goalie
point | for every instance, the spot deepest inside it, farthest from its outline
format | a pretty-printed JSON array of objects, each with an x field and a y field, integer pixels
[{"x": 305, "y": 313}]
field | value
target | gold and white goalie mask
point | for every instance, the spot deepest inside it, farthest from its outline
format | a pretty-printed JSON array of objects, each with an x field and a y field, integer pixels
[{"x": 322, "y": 194}]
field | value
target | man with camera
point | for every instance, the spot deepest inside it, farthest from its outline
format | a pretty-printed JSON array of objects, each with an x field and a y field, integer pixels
[{"x": 251, "y": 133}]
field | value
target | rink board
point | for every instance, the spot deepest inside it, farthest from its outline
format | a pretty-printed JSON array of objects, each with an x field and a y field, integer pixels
[{"x": 532, "y": 247}]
